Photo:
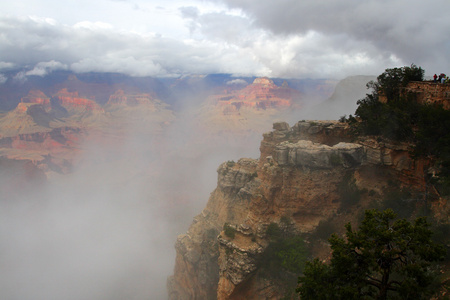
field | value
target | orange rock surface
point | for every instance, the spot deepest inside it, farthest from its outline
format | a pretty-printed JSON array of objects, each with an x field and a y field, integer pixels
[
  {"x": 73, "y": 100},
  {"x": 120, "y": 97},
  {"x": 261, "y": 94},
  {"x": 36, "y": 96}
]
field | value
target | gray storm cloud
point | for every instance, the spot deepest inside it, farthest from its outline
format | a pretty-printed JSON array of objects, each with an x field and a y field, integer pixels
[
  {"x": 286, "y": 38},
  {"x": 411, "y": 31},
  {"x": 39, "y": 44}
]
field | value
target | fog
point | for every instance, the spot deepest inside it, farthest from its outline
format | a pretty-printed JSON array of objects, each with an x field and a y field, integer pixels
[{"x": 107, "y": 230}]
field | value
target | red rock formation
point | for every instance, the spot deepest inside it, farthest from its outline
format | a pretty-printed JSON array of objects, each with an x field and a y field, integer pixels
[
  {"x": 121, "y": 98},
  {"x": 71, "y": 100},
  {"x": 36, "y": 96},
  {"x": 263, "y": 93},
  {"x": 49, "y": 140},
  {"x": 296, "y": 179}
]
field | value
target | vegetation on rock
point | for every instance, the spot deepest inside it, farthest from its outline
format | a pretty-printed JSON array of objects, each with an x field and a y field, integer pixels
[
  {"x": 229, "y": 230},
  {"x": 400, "y": 117},
  {"x": 285, "y": 256},
  {"x": 384, "y": 259}
]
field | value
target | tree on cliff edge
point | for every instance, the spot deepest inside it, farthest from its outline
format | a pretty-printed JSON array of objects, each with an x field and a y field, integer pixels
[{"x": 385, "y": 259}]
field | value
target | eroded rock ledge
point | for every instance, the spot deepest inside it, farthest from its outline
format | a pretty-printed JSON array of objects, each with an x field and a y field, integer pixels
[{"x": 296, "y": 178}]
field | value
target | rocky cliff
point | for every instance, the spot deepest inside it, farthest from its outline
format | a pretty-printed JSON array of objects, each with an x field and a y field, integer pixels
[
  {"x": 263, "y": 93},
  {"x": 307, "y": 175}
]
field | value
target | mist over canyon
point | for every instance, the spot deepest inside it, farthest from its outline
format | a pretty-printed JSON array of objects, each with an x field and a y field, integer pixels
[{"x": 101, "y": 172}]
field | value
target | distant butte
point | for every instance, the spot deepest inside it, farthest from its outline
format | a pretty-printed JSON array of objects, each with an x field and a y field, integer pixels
[
  {"x": 263, "y": 93},
  {"x": 121, "y": 98},
  {"x": 36, "y": 96},
  {"x": 71, "y": 100}
]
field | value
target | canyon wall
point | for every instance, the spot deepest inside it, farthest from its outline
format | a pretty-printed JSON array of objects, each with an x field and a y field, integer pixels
[{"x": 296, "y": 183}]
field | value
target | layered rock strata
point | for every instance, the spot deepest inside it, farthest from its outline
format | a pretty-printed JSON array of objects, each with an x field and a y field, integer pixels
[
  {"x": 263, "y": 93},
  {"x": 294, "y": 183}
]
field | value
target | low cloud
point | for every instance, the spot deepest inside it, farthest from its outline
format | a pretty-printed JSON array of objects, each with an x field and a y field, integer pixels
[
  {"x": 44, "y": 68},
  {"x": 237, "y": 82}
]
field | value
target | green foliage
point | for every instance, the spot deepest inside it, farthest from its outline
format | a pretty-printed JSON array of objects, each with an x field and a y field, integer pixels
[
  {"x": 273, "y": 230},
  {"x": 384, "y": 259},
  {"x": 390, "y": 82},
  {"x": 229, "y": 230},
  {"x": 402, "y": 118},
  {"x": 392, "y": 119},
  {"x": 284, "y": 258},
  {"x": 287, "y": 253}
]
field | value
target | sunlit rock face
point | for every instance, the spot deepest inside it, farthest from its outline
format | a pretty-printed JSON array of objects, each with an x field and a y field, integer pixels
[
  {"x": 296, "y": 178},
  {"x": 130, "y": 99},
  {"x": 72, "y": 101},
  {"x": 52, "y": 131},
  {"x": 36, "y": 96},
  {"x": 263, "y": 93}
]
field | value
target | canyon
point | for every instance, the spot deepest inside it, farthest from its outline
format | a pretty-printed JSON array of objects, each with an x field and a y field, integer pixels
[
  {"x": 50, "y": 124},
  {"x": 99, "y": 173},
  {"x": 150, "y": 147},
  {"x": 296, "y": 183}
]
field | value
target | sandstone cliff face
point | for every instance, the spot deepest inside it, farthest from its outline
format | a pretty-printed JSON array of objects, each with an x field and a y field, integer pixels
[
  {"x": 72, "y": 101},
  {"x": 295, "y": 183},
  {"x": 35, "y": 96},
  {"x": 263, "y": 93}
]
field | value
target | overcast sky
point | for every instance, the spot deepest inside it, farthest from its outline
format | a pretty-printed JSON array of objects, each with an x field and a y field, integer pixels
[{"x": 283, "y": 38}]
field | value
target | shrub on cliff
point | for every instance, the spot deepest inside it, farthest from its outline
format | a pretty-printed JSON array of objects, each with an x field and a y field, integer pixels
[
  {"x": 400, "y": 117},
  {"x": 284, "y": 257},
  {"x": 384, "y": 259},
  {"x": 391, "y": 118},
  {"x": 229, "y": 230}
]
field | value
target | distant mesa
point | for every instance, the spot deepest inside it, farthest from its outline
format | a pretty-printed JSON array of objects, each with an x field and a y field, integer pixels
[
  {"x": 263, "y": 93},
  {"x": 36, "y": 96},
  {"x": 264, "y": 81},
  {"x": 71, "y": 101},
  {"x": 121, "y": 98}
]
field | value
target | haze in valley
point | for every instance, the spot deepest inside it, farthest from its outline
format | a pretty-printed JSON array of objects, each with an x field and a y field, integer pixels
[{"x": 106, "y": 229}]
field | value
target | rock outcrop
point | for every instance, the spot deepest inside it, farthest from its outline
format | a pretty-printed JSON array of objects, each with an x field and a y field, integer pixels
[
  {"x": 263, "y": 93},
  {"x": 36, "y": 96},
  {"x": 427, "y": 92},
  {"x": 296, "y": 183},
  {"x": 72, "y": 101}
]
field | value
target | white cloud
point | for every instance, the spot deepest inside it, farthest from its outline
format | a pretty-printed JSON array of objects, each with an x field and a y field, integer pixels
[
  {"x": 237, "y": 82},
  {"x": 3, "y": 78},
  {"x": 285, "y": 38},
  {"x": 44, "y": 68},
  {"x": 93, "y": 25},
  {"x": 6, "y": 65}
]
